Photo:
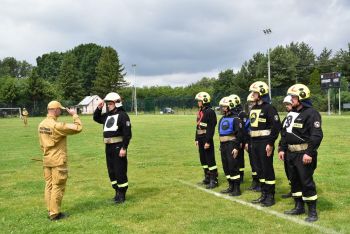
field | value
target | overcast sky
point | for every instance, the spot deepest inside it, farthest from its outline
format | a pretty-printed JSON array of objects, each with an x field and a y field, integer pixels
[{"x": 172, "y": 42}]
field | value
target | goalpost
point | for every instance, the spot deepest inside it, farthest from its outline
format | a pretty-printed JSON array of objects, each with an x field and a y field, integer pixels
[{"x": 10, "y": 112}]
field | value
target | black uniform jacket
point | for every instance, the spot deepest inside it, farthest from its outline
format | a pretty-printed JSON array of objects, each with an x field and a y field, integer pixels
[
  {"x": 238, "y": 112},
  {"x": 116, "y": 123},
  {"x": 265, "y": 117},
  {"x": 304, "y": 126},
  {"x": 206, "y": 120}
]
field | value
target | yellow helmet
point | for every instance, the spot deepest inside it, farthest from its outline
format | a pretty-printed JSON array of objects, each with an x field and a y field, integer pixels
[
  {"x": 203, "y": 96},
  {"x": 236, "y": 100},
  {"x": 260, "y": 87},
  {"x": 250, "y": 97},
  {"x": 228, "y": 102},
  {"x": 299, "y": 90}
]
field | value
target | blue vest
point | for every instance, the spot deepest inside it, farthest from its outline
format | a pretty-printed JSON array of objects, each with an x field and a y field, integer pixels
[
  {"x": 226, "y": 126},
  {"x": 247, "y": 125}
]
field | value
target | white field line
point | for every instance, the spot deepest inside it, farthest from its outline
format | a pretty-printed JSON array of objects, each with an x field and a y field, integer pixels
[{"x": 263, "y": 209}]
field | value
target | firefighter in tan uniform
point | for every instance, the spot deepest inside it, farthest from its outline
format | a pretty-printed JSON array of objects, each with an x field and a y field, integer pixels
[
  {"x": 53, "y": 143},
  {"x": 25, "y": 116}
]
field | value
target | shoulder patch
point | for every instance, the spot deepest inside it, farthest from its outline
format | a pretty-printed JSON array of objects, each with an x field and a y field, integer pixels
[
  {"x": 276, "y": 117},
  {"x": 128, "y": 123},
  {"x": 317, "y": 124}
]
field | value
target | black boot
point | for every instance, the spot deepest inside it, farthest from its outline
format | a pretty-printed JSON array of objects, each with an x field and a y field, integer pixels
[
  {"x": 312, "y": 214},
  {"x": 287, "y": 195},
  {"x": 298, "y": 208},
  {"x": 241, "y": 178},
  {"x": 213, "y": 182},
  {"x": 206, "y": 179},
  {"x": 254, "y": 183},
  {"x": 269, "y": 201},
  {"x": 229, "y": 189},
  {"x": 116, "y": 195},
  {"x": 260, "y": 199},
  {"x": 236, "y": 189},
  {"x": 120, "y": 197}
]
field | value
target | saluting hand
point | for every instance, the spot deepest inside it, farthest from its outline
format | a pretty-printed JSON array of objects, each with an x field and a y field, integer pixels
[
  {"x": 71, "y": 111},
  {"x": 100, "y": 104},
  {"x": 307, "y": 159}
]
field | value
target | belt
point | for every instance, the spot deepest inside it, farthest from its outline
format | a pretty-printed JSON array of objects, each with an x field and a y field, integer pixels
[
  {"x": 201, "y": 131},
  {"x": 298, "y": 147},
  {"x": 227, "y": 138},
  {"x": 259, "y": 133},
  {"x": 111, "y": 140}
]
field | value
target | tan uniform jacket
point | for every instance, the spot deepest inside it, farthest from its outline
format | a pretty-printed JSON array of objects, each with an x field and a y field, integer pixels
[{"x": 53, "y": 142}]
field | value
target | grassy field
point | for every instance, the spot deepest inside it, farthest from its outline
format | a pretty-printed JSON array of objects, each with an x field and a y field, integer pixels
[{"x": 163, "y": 171}]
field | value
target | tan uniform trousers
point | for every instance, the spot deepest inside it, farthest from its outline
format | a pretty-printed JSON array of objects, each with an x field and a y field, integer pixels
[
  {"x": 25, "y": 120},
  {"x": 55, "y": 178}
]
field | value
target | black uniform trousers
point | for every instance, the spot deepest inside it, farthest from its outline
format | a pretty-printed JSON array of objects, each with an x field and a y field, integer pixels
[
  {"x": 229, "y": 164},
  {"x": 301, "y": 176},
  {"x": 252, "y": 161},
  {"x": 264, "y": 167},
  {"x": 117, "y": 167},
  {"x": 207, "y": 156}
]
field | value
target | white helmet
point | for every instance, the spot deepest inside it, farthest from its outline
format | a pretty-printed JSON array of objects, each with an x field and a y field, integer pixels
[
  {"x": 113, "y": 97},
  {"x": 288, "y": 99}
]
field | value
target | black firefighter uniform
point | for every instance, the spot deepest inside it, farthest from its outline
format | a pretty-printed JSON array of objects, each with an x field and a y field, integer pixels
[
  {"x": 116, "y": 135},
  {"x": 303, "y": 135},
  {"x": 205, "y": 129},
  {"x": 265, "y": 126},
  {"x": 53, "y": 143}
]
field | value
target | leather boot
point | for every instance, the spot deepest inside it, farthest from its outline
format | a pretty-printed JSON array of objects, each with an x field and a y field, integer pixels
[
  {"x": 312, "y": 213},
  {"x": 120, "y": 197},
  {"x": 213, "y": 182},
  {"x": 269, "y": 201},
  {"x": 260, "y": 199},
  {"x": 254, "y": 183},
  {"x": 229, "y": 189},
  {"x": 116, "y": 195},
  {"x": 298, "y": 208},
  {"x": 236, "y": 189},
  {"x": 206, "y": 179}
]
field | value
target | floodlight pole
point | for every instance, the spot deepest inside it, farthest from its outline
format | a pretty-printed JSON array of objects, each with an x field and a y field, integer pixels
[
  {"x": 267, "y": 32},
  {"x": 135, "y": 96}
]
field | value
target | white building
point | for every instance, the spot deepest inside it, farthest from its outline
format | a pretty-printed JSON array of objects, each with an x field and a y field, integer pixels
[{"x": 88, "y": 104}]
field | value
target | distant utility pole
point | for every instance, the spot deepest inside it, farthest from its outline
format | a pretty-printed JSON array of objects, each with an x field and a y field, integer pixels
[
  {"x": 267, "y": 32},
  {"x": 135, "y": 95}
]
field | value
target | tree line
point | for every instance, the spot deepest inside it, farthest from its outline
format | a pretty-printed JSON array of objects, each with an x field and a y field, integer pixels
[{"x": 92, "y": 69}]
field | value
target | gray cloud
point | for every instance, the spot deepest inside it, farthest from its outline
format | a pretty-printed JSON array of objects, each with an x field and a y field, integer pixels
[{"x": 165, "y": 37}]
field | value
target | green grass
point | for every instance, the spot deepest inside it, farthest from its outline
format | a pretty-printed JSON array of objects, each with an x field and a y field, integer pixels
[{"x": 161, "y": 153}]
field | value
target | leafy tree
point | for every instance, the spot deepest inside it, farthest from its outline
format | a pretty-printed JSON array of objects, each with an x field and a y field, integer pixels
[
  {"x": 70, "y": 81},
  {"x": 88, "y": 56},
  {"x": 11, "y": 67},
  {"x": 109, "y": 71},
  {"x": 8, "y": 90},
  {"x": 324, "y": 61},
  {"x": 283, "y": 68},
  {"x": 306, "y": 61},
  {"x": 49, "y": 65}
]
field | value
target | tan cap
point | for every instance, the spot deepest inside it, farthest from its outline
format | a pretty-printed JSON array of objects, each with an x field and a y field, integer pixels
[{"x": 54, "y": 105}]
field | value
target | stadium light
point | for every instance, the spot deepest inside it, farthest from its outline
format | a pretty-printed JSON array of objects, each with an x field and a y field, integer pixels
[
  {"x": 267, "y": 32},
  {"x": 135, "y": 96}
]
